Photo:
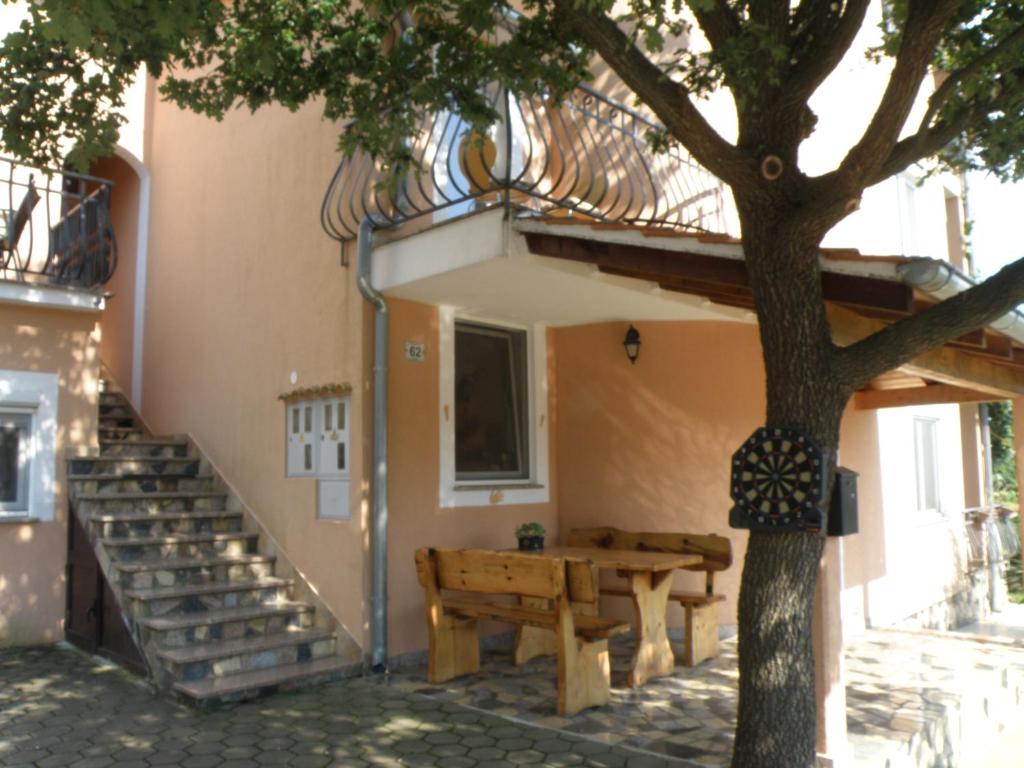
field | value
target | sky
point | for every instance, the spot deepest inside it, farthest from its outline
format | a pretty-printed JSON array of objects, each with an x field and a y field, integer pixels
[{"x": 997, "y": 210}]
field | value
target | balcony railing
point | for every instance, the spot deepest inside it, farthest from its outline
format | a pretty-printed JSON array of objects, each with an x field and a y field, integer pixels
[
  {"x": 55, "y": 227},
  {"x": 585, "y": 155}
]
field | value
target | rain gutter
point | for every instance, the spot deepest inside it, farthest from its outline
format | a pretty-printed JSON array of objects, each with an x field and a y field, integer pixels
[{"x": 379, "y": 483}]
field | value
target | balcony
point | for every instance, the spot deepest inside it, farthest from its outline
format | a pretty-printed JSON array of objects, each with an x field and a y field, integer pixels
[
  {"x": 55, "y": 227},
  {"x": 587, "y": 156}
]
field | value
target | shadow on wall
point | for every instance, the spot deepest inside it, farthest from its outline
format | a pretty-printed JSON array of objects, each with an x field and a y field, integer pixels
[{"x": 32, "y": 555}]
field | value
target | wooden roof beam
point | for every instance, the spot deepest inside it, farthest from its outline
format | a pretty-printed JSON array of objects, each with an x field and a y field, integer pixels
[{"x": 934, "y": 394}]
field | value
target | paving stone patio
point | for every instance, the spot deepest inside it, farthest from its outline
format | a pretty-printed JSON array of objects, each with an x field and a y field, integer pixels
[
  {"x": 913, "y": 699},
  {"x": 59, "y": 707}
]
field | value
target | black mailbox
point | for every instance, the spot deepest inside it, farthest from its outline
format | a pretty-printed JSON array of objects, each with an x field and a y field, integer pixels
[{"x": 842, "y": 511}]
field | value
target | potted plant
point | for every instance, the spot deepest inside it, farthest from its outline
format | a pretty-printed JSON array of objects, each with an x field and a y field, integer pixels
[{"x": 531, "y": 537}]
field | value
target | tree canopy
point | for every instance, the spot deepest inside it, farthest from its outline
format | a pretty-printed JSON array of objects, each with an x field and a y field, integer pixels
[{"x": 377, "y": 65}]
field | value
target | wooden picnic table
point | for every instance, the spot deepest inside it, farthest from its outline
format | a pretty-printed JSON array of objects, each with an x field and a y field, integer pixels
[{"x": 649, "y": 575}]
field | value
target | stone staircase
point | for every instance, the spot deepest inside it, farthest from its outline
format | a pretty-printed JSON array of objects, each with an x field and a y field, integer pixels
[{"x": 184, "y": 560}]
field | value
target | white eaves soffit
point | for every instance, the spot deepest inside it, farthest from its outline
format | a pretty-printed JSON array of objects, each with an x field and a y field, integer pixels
[{"x": 480, "y": 265}]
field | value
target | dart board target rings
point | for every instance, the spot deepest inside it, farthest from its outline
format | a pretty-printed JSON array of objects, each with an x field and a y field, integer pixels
[{"x": 778, "y": 482}]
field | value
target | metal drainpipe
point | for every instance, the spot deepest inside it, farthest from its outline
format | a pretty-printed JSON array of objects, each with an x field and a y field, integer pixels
[{"x": 379, "y": 515}]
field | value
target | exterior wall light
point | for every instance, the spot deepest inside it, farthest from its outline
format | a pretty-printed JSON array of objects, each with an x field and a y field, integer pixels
[{"x": 632, "y": 344}]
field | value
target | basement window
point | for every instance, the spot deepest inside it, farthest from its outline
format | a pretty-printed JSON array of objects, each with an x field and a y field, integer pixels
[
  {"x": 15, "y": 461},
  {"x": 28, "y": 444}
]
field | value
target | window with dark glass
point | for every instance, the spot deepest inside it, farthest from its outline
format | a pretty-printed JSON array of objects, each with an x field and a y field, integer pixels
[
  {"x": 491, "y": 405},
  {"x": 15, "y": 432}
]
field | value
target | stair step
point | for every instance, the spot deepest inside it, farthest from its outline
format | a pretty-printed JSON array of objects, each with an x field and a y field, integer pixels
[
  {"x": 115, "y": 464},
  {"x": 143, "y": 447},
  {"x": 143, "y": 496},
  {"x": 160, "y": 548},
  {"x": 174, "y": 539},
  {"x": 191, "y": 654},
  {"x": 182, "y": 571},
  {"x": 191, "y": 620},
  {"x": 260, "y": 680},
  {"x": 164, "y": 593},
  {"x": 171, "y": 564},
  {"x": 150, "y": 440},
  {"x": 143, "y": 517},
  {"x": 144, "y": 483}
]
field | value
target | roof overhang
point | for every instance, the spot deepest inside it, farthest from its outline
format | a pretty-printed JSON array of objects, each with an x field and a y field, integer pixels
[
  {"x": 863, "y": 293},
  {"x": 482, "y": 266}
]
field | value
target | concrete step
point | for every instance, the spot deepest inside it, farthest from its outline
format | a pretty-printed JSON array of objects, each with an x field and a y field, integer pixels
[
  {"x": 145, "y": 525},
  {"x": 132, "y": 466},
  {"x": 113, "y": 425},
  {"x": 195, "y": 570},
  {"x": 90, "y": 504},
  {"x": 179, "y": 630},
  {"x": 144, "y": 482},
  {"x": 194, "y": 598},
  {"x": 179, "y": 546},
  {"x": 141, "y": 445},
  {"x": 263, "y": 681},
  {"x": 200, "y": 661}
]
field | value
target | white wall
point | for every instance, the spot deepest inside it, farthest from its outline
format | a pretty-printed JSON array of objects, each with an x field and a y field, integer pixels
[{"x": 921, "y": 558}]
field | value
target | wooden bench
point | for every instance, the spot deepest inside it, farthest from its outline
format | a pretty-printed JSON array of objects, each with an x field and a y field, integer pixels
[
  {"x": 701, "y": 641},
  {"x": 582, "y": 640}
]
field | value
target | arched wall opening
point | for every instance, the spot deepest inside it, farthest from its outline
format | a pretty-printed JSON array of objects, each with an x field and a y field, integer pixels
[{"x": 122, "y": 318}]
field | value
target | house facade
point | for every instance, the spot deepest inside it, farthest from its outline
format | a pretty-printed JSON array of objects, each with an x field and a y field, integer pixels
[{"x": 237, "y": 320}]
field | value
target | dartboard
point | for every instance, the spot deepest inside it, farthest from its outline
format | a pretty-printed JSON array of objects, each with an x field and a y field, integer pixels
[{"x": 778, "y": 480}]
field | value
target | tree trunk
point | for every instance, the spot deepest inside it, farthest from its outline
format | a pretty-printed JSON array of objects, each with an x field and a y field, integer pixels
[{"x": 776, "y": 720}]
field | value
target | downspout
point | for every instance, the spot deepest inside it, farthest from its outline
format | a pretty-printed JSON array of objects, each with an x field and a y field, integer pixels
[{"x": 379, "y": 485}]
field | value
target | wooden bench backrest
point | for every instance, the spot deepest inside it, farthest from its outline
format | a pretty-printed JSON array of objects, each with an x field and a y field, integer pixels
[
  {"x": 716, "y": 550},
  {"x": 495, "y": 573}
]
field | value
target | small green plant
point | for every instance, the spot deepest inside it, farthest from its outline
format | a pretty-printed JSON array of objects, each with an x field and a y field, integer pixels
[{"x": 527, "y": 530}]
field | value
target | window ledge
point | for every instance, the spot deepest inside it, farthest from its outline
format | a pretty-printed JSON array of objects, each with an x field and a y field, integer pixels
[
  {"x": 497, "y": 486},
  {"x": 19, "y": 520}
]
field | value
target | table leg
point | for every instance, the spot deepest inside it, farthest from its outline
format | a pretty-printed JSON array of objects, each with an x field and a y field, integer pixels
[{"x": 652, "y": 656}]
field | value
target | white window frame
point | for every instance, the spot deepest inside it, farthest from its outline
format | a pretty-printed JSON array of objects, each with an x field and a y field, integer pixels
[
  {"x": 35, "y": 394},
  {"x": 533, "y": 489},
  {"x": 921, "y": 464}
]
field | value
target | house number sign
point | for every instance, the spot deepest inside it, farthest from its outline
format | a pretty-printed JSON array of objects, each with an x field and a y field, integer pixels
[
  {"x": 415, "y": 351},
  {"x": 777, "y": 483}
]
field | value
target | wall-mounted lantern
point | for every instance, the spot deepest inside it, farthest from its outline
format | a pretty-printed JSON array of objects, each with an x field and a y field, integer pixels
[{"x": 632, "y": 344}]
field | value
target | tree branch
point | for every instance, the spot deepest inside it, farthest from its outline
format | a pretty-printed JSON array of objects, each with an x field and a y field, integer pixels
[
  {"x": 927, "y": 142},
  {"x": 926, "y": 20},
  {"x": 948, "y": 87},
  {"x": 718, "y": 24},
  {"x": 670, "y": 100},
  {"x": 824, "y": 47},
  {"x": 902, "y": 341}
]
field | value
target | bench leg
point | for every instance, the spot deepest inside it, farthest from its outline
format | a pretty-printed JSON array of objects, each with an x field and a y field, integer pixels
[
  {"x": 532, "y": 642},
  {"x": 701, "y": 634},
  {"x": 584, "y": 676},
  {"x": 454, "y": 649}
]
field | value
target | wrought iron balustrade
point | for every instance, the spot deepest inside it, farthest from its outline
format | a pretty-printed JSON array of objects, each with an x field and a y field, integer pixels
[
  {"x": 55, "y": 227},
  {"x": 587, "y": 155}
]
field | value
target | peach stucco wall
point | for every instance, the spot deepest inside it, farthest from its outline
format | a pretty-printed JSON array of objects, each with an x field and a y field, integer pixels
[
  {"x": 32, "y": 555},
  {"x": 647, "y": 446},
  {"x": 416, "y": 517},
  {"x": 119, "y": 314},
  {"x": 244, "y": 289}
]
